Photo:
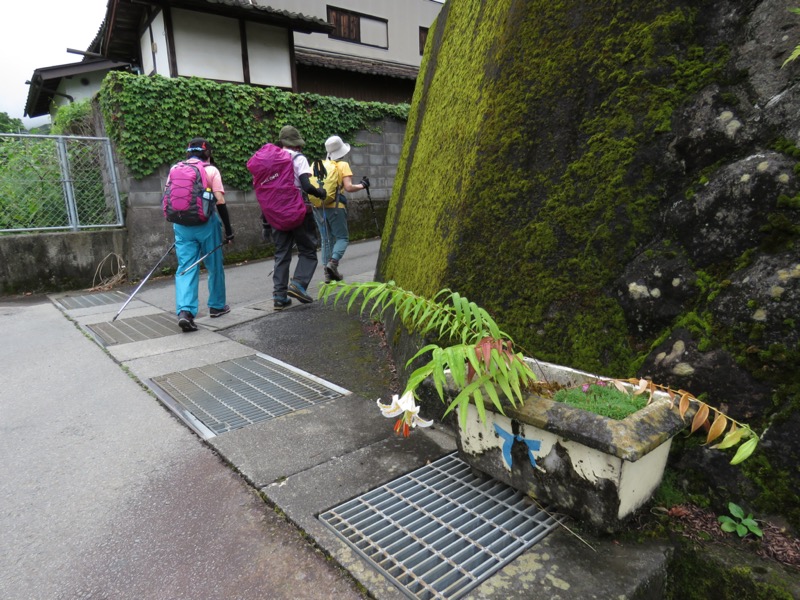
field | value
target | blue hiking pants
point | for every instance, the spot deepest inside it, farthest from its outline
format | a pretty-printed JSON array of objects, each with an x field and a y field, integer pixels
[
  {"x": 335, "y": 237},
  {"x": 192, "y": 242}
]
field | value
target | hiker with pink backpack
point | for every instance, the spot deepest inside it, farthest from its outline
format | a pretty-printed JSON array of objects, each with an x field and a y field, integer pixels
[
  {"x": 280, "y": 176},
  {"x": 194, "y": 202}
]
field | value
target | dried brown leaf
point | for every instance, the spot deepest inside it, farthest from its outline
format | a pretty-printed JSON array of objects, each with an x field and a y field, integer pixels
[
  {"x": 683, "y": 406},
  {"x": 641, "y": 386},
  {"x": 719, "y": 425},
  {"x": 700, "y": 417}
]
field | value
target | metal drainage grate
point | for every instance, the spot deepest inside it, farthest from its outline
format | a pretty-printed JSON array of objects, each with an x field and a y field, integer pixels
[
  {"x": 441, "y": 530},
  {"x": 89, "y": 300},
  {"x": 233, "y": 394},
  {"x": 135, "y": 329}
]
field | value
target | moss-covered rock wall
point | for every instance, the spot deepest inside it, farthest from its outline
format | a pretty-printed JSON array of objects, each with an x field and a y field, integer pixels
[
  {"x": 526, "y": 176},
  {"x": 616, "y": 183}
]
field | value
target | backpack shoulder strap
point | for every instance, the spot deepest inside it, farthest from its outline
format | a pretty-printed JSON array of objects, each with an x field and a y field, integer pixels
[
  {"x": 339, "y": 183},
  {"x": 319, "y": 169}
]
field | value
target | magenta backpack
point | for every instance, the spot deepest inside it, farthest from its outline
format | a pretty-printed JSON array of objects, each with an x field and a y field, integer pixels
[
  {"x": 273, "y": 182},
  {"x": 188, "y": 199}
]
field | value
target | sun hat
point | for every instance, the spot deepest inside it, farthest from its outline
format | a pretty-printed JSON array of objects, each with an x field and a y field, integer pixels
[
  {"x": 291, "y": 137},
  {"x": 336, "y": 147}
]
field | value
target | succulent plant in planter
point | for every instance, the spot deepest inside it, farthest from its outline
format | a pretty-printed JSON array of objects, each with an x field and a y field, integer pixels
[{"x": 509, "y": 426}]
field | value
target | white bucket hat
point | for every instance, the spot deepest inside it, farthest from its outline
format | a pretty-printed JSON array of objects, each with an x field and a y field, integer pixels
[{"x": 336, "y": 147}]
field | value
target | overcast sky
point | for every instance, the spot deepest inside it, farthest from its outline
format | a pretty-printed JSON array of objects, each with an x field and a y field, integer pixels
[{"x": 36, "y": 34}]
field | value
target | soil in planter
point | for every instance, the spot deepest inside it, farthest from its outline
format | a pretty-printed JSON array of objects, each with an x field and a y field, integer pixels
[{"x": 602, "y": 399}]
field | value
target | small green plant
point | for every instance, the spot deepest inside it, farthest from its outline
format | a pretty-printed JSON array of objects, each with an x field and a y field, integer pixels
[
  {"x": 739, "y": 523},
  {"x": 601, "y": 398}
]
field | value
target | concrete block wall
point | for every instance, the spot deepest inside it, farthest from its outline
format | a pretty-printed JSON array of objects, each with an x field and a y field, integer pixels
[
  {"x": 55, "y": 261},
  {"x": 376, "y": 155}
]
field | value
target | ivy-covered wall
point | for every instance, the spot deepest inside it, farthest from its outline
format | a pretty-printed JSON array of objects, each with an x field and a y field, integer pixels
[{"x": 150, "y": 119}]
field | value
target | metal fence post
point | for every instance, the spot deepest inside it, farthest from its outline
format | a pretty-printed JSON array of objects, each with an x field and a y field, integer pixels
[
  {"x": 66, "y": 182},
  {"x": 111, "y": 170}
]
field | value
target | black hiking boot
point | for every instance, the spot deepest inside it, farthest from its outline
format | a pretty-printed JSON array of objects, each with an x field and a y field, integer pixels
[{"x": 186, "y": 321}]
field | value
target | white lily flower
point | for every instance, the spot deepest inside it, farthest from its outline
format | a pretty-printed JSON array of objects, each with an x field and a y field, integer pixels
[
  {"x": 418, "y": 422},
  {"x": 400, "y": 404},
  {"x": 406, "y": 407}
]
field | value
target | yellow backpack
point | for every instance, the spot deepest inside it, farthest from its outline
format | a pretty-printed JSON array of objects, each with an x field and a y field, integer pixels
[{"x": 327, "y": 176}]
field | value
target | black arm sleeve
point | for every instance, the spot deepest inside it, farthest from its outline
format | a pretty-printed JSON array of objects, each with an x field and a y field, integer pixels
[
  {"x": 308, "y": 188},
  {"x": 226, "y": 220}
]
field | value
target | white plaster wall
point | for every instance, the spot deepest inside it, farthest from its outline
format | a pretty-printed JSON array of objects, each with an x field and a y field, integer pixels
[
  {"x": 207, "y": 46},
  {"x": 404, "y": 20},
  {"x": 375, "y": 33},
  {"x": 79, "y": 87},
  {"x": 146, "y": 50},
  {"x": 162, "y": 50},
  {"x": 159, "y": 48},
  {"x": 268, "y": 52}
]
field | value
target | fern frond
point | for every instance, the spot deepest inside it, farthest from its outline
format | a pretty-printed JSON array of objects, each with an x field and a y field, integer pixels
[{"x": 449, "y": 314}]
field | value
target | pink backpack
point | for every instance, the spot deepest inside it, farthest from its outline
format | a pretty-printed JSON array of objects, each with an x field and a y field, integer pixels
[
  {"x": 273, "y": 181},
  {"x": 188, "y": 199}
]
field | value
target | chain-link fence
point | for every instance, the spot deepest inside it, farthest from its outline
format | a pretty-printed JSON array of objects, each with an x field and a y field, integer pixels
[{"x": 57, "y": 182}]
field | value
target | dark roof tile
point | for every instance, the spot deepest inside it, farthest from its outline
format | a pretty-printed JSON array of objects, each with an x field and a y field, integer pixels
[{"x": 315, "y": 58}]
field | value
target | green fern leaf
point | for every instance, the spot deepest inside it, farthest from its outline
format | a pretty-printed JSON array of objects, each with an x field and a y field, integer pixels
[{"x": 793, "y": 56}]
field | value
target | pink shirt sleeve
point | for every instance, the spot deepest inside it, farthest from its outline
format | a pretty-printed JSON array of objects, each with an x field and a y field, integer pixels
[{"x": 214, "y": 179}]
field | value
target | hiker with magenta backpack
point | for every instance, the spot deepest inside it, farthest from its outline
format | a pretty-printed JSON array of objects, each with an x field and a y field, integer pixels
[
  {"x": 330, "y": 214},
  {"x": 280, "y": 176},
  {"x": 194, "y": 202}
]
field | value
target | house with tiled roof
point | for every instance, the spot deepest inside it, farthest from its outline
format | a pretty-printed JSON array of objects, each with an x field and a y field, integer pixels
[
  {"x": 363, "y": 49},
  {"x": 373, "y": 52}
]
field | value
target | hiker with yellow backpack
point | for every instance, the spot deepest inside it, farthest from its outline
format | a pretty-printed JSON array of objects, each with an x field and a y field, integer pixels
[{"x": 335, "y": 176}]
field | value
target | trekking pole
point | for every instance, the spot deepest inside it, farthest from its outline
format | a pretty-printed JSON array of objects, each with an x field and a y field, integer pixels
[
  {"x": 146, "y": 277},
  {"x": 320, "y": 172},
  {"x": 374, "y": 216},
  {"x": 201, "y": 259}
]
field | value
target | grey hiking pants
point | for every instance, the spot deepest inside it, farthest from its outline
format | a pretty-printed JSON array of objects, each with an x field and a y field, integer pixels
[{"x": 305, "y": 239}]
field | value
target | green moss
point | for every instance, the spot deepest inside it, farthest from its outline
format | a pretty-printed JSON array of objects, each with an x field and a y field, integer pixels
[
  {"x": 527, "y": 182},
  {"x": 708, "y": 572},
  {"x": 604, "y": 400},
  {"x": 778, "y": 487},
  {"x": 781, "y": 233},
  {"x": 787, "y": 147},
  {"x": 545, "y": 203},
  {"x": 669, "y": 493},
  {"x": 792, "y": 203}
]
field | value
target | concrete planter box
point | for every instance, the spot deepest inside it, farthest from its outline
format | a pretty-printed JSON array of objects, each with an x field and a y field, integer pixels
[{"x": 593, "y": 468}]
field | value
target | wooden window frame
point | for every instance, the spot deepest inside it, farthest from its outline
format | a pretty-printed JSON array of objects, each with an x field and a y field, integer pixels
[{"x": 354, "y": 23}]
